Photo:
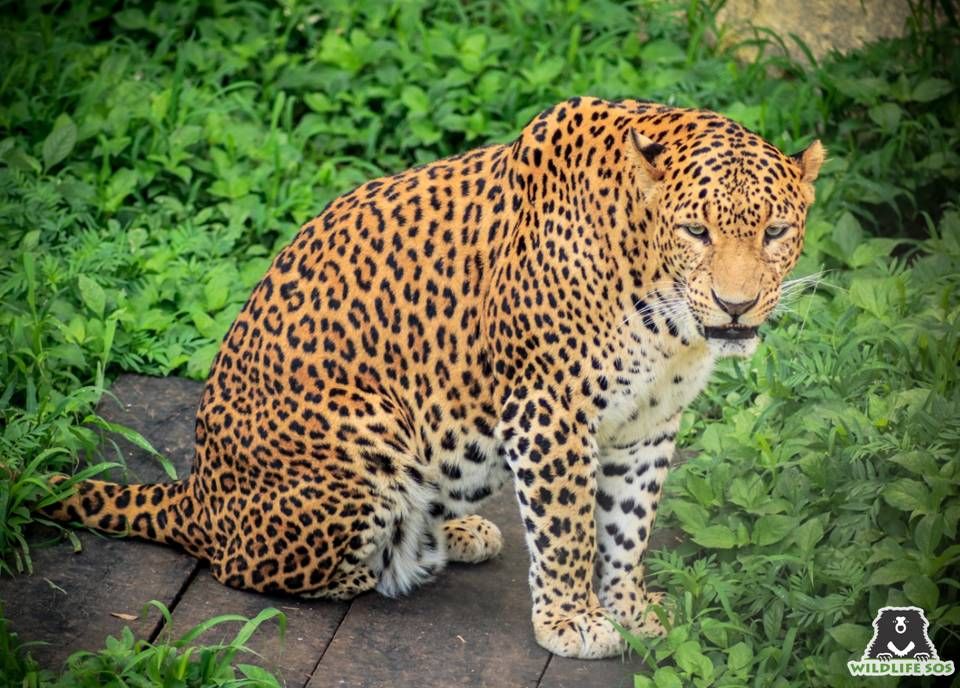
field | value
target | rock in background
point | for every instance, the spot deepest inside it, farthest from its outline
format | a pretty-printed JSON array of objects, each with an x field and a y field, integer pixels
[{"x": 823, "y": 25}]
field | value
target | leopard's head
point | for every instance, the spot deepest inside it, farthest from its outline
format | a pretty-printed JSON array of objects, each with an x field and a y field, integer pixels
[{"x": 728, "y": 212}]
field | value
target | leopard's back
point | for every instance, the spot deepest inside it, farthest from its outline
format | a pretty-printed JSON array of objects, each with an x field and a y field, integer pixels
[{"x": 357, "y": 366}]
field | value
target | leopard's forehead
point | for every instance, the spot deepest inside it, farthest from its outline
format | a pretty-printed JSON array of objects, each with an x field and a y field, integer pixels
[
  {"x": 734, "y": 162},
  {"x": 706, "y": 156},
  {"x": 731, "y": 178}
]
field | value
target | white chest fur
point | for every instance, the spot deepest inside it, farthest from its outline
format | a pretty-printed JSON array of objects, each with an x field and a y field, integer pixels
[{"x": 658, "y": 385}]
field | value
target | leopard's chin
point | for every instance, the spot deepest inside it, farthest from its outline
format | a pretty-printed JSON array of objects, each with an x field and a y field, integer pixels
[
  {"x": 729, "y": 341},
  {"x": 733, "y": 348}
]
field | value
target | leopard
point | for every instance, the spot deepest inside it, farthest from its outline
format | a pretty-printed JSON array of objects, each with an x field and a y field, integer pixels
[{"x": 536, "y": 313}]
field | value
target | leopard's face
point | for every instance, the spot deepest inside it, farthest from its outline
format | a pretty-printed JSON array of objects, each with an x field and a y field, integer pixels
[{"x": 730, "y": 224}]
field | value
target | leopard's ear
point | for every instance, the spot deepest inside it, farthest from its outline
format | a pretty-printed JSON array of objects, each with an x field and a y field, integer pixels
[
  {"x": 644, "y": 153},
  {"x": 809, "y": 160}
]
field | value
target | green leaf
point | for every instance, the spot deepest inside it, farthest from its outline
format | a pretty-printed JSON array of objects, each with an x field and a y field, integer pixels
[
  {"x": 75, "y": 330},
  {"x": 134, "y": 438},
  {"x": 337, "y": 50},
  {"x": 906, "y": 494},
  {"x": 59, "y": 142},
  {"x": 425, "y": 131},
  {"x": 931, "y": 89},
  {"x": 689, "y": 658},
  {"x": 922, "y": 591},
  {"x": 873, "y": 294},
  {"x": 544, "y": 73},
  {"x": 677, "y": 636},
  {"x": 641, "y": 681},
  {"x": 715, "y": 631},
  {"x": 895, "y": 572},
  {"x": 750, "y": 116},
  {"x": 232, "y": 187},
  {"x": 847, "y": 234},
  {"x": 123, "y": 182},
  {"x": 92, "y": 294},
  {"x": 872, "y": 249},
  {"x": 30, "y": 240},
  {"x": 199, "y": 363},
  {"x": 739, "y": 658},
  {"x": 319, "y": 102},
  {"x": 773, "y": 619},
  {"x": 663, "y": 52},
  {"x": 666, "y": 677},
  {"x": 692, "y": 516},
  {"x": 472, "y": 51},
  {"x": 928, "y": 532},
  {"x": 919, "y": 462},
  {"x": 951, "y": 617},
  {"x": 131, "y": 19},
  {"x": 886, "y": 116},
  {"x": 205, "y": 325},
  {"x": 154, "y": 320},
  {"x": 262, "y": 676},
  {"x": 416, "y": 100},
  {"x": 216, "y": 291},
  {"x": 716, "y": 537},
  {"x": 851, "y": 637},
  {"x": 774, "y": 528},
  {"x": 951, "y": 516},
  {"x": 18, "y": 159},
  {"x": 700, "y": 489},
  {"x": 866, "y": 90},
  {"x": 809, "y": 534}
]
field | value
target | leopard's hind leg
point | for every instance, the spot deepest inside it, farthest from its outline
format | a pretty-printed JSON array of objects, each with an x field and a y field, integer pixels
[
  {"x": 358, "y": 498},
  {"x": 347, "y": 585}
]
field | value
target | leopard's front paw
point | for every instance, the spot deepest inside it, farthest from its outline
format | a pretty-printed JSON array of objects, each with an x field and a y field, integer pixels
[
  {"x": 585, "y": 635},
  {"x": 647, "y": 622},
  {"x": 634, "y": 612}
]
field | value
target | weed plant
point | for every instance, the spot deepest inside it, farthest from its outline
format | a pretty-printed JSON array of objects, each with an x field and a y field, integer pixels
[
  {"x": 154, "y": 156},
  {"x": 168, "y": 663}
]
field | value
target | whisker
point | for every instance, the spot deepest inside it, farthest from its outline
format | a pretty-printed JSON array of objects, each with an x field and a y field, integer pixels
[
  {"x": 662, "y": 307},
  {"x": 663, "y": 298}
]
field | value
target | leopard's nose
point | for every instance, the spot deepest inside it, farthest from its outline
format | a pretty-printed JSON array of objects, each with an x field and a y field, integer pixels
[{"x": 734, "y": 308}]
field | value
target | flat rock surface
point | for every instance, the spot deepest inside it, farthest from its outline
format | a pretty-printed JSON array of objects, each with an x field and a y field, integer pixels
[{"x": 470, "y": 627}]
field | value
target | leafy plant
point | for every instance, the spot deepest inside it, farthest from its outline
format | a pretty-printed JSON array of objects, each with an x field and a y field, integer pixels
[
  {"x": 826, "y": 482},
  {"x": 127, "y": 661}
]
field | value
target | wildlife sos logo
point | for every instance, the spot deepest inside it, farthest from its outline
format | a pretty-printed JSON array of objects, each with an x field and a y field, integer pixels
[{"x": 900, "y": 647}]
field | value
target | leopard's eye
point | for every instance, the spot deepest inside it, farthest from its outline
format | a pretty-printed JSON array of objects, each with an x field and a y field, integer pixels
[
  {"x": 695, "y": 230},
  {"x": 774, "y": 231}
]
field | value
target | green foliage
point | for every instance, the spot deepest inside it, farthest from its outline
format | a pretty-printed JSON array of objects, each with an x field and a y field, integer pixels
[
  {"x": 126, "y": 661},
  {"x": 155, "y": 156},
  {"x": 827, "y": 479}
]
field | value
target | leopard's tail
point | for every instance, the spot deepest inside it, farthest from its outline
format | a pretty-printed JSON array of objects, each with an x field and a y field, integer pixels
[{"x": 163, "y": 512}]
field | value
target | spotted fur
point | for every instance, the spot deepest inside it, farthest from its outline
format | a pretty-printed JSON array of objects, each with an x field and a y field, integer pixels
[{"x": 538, "y": 312}]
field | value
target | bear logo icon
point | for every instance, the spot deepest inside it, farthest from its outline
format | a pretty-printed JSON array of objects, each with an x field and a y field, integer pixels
[{"x": 900, "y": 633}]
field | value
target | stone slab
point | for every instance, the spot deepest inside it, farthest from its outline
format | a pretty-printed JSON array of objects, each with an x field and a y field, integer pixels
[
  {"x": 68, "y": 602},
  {"x": 311, "y": 625},
  {"x": 469, "y": 628}
]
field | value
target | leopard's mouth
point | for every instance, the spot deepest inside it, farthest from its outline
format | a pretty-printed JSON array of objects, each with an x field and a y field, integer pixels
[{"x": 730, "y": 332}]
